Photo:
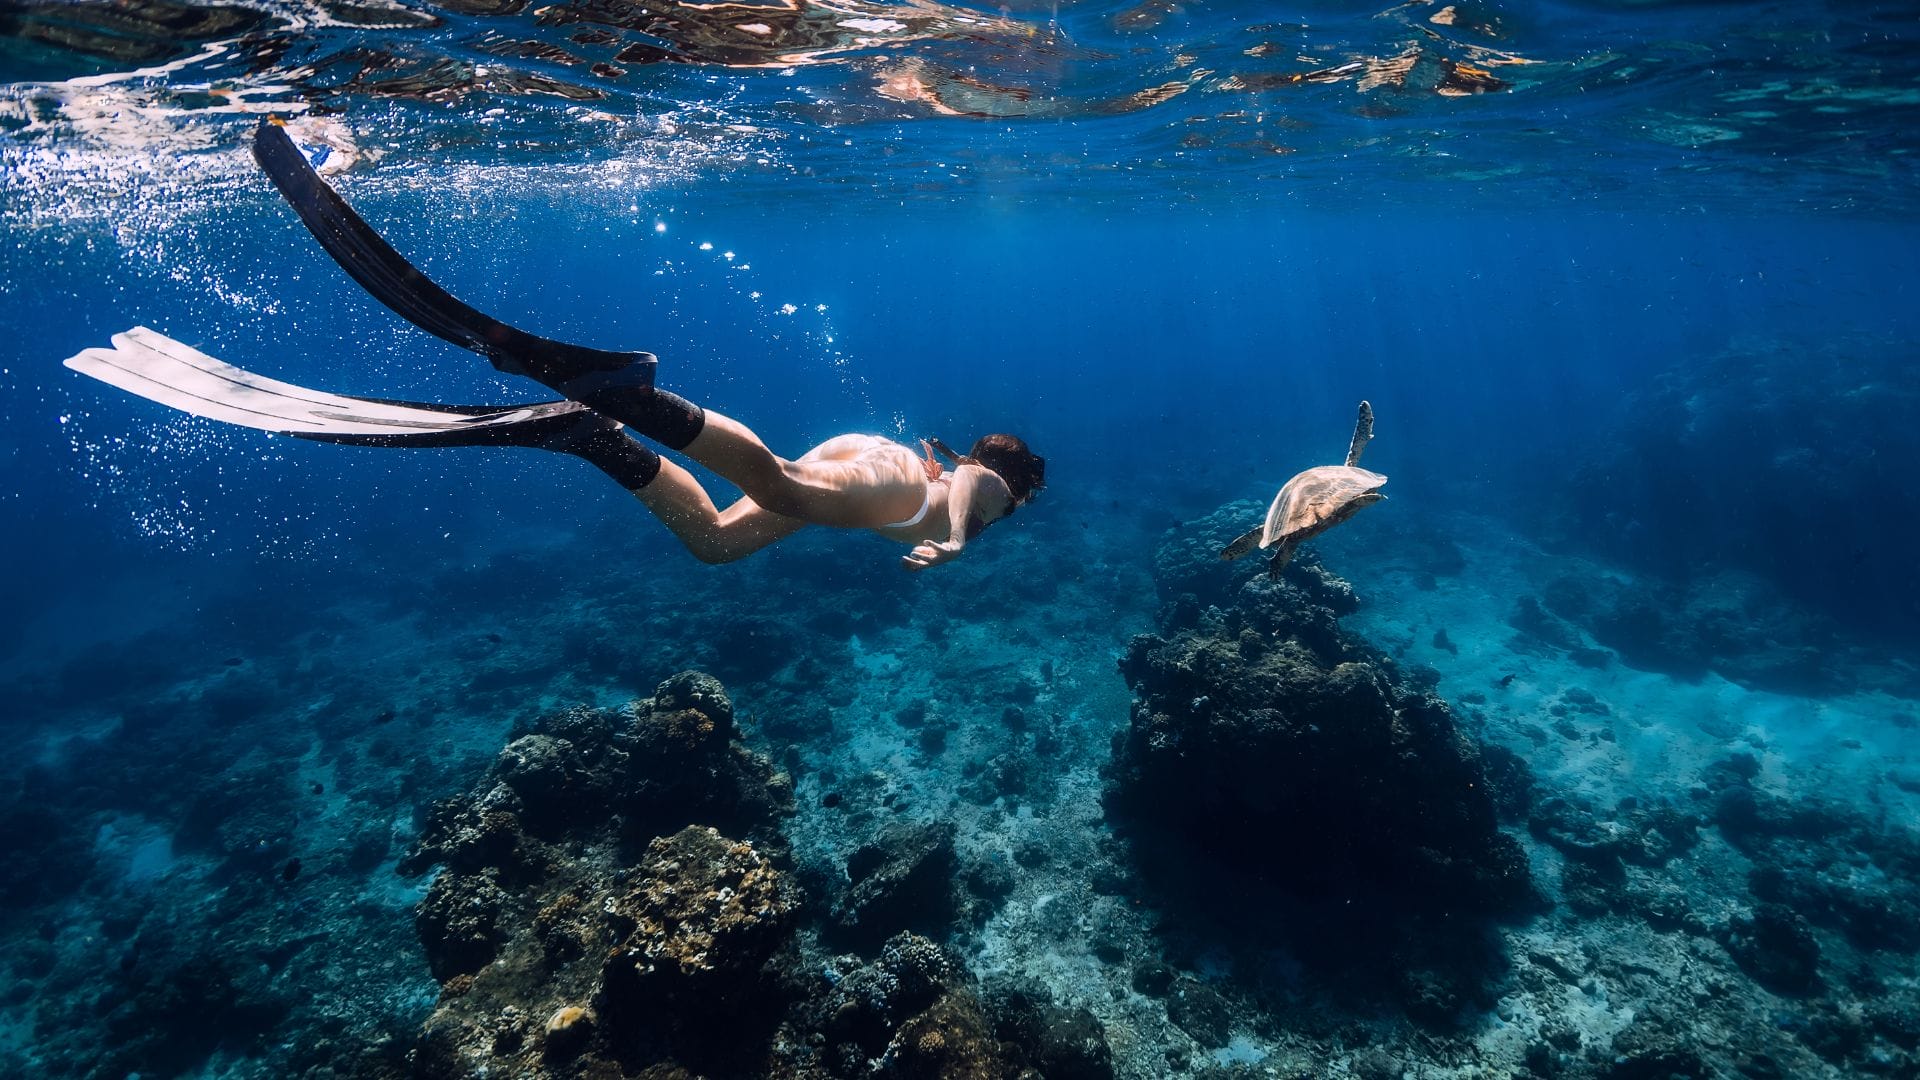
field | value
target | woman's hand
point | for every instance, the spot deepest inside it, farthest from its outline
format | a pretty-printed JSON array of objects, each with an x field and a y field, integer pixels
[{"x": 932, "y": 553}]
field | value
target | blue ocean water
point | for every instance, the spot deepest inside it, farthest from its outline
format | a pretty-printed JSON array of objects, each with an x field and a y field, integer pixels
[{"x": 1630, "y": 288}]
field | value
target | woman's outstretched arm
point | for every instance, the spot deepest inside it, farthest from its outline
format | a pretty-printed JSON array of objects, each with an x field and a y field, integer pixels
[{"x": 976, "y": 497}]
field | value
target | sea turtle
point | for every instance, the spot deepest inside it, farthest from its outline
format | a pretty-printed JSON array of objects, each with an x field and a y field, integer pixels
[{"x": 1315, "y": 501}]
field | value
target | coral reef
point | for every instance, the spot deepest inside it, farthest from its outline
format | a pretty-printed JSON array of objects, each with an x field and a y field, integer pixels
[
  {"x": 704, "y": 915},
  {"x": 622, "y": 891},
  {"x": 1269, "y": 747},
  {"x": 914, "y": 1012},
  {"x": 1832, "y": 866},
  {"x": 581, "y": 915},
  {"x": 633, "y": 968},
  {"x": 1782, "y": 459},
  {"x": 1729, "y": 622},
  {"x": 564, "y": 946}
]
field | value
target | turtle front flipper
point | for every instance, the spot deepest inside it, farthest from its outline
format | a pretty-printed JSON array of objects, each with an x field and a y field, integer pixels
[
  {"x": 1243, "y": 543},
  {"x": 1362, "y": 435}
]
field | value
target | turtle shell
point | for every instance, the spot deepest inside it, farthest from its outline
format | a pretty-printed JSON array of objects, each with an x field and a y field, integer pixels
[{"x": 1317, "y": 500}]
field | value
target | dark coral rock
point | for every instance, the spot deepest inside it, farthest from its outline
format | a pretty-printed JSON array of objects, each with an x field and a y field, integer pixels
[
  {"x": 1897, "y": 1025},
  {"x": 1872, "y": 913},
  {"x": 1322, "y": 587},
  {"x": 551, "y": 778},
  {"x": 1594, "y": 887},
  {"x": 1153, "y": 978},
  {"x": 673, "y": 954},
  {"x": 1598, "y": 850},
  {"x": 903, "y": 881},
  {"x": 1266, "y": 732},
  {"x": 682, "y": 764},
  {"x": 1655, "y": 1047},
  {"x": 951, "y": 1040},
  {"x": 1534, "y": 621},
  {"x": 46, "y": 855},
  {"x": 1434, "y": 996},
  {"x": 1190, "y": 575},
  {"x": 248, "y": 817},
  {"x": 469, "y": 833},
  {"x": 459, "y": 922},
  {"x": 1663, "y": 908},
  {"x": 702, "y": 918},
  {"x": 367, "y": 846},
  {"x": 1777, "y": 948},
  {"x": 1187, "y": 558},
  {"x": 867, "y": 1002},
  {"x": 1056, "y": 1042},
  {"x": 1644, "y": 837},
  {"x": 1839, "y": 1036},
  {"x": 921, "y": 967},
  {"x": 991, "y": 880},
  {"x": 697, "y": 692},
  {"x": 568, "y": 935},
  {"x": 1509, "y": 782},
  {"x": 1200, "y": 1011},
  {"x": 1004, "y": 775},
  {"x": 913, "y": 1012},
  {"x": 666, "y": 762},
  {"x": 1274, "y": 759}
]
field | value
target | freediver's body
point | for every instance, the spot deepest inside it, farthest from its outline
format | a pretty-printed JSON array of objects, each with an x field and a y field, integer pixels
[{"x": 851, "y": 481}]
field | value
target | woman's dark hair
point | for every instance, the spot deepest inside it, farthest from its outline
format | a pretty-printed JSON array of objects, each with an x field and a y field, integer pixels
[{"x": 1007, "y": 455}]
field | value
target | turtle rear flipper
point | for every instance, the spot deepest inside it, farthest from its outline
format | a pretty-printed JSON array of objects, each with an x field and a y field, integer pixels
[
  {"x": 1243, "y": 543},
  {"x": 1282, "y": 555}
]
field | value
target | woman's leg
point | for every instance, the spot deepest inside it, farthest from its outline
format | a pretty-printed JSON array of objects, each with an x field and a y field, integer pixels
[
  {"x": 841, "y": 482},
  {"x": 864, "y": 493},
  {"x": 669, "y": 491},
  {"x": 845, "y": 481},
  {"x": 711, "y": 534}
]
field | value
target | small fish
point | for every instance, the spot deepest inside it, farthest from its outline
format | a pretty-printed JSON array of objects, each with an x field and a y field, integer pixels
[
  {"x": 319, "y": 788},
  {"x": 386, "y": 717},
  {"x": 1505, "y": 681},
  {"x": 291, "y": 870}
]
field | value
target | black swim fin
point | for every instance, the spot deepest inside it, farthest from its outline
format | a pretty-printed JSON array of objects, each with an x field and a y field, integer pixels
[{"x": 393, "y": 281}]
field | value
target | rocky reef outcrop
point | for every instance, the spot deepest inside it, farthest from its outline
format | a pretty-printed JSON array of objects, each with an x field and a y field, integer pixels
[
  {"x": 1271, "y": 754},
  {"x": 590, "y": 907},
  {"x": 1785, "y": 460},
  {"x": 591, "y": 919},
  {"x": 913, "y": 1011},
  {"x": 903, "y": 880},
  {"x": 1730, "y": 622}
]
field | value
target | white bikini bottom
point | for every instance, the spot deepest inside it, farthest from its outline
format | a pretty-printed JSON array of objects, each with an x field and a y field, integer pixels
[{"x": 926, "y": 503}]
